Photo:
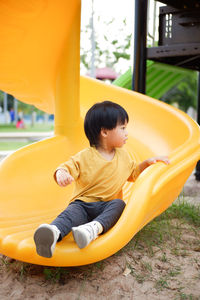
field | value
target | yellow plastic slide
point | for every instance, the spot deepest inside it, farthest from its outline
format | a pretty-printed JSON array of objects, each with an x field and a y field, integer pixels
[{"x": 39, "y": 63}]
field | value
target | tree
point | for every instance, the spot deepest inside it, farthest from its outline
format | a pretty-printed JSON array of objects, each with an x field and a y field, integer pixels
[
  {"x": 26, "y": 108},
  {"x": 185, "y": 93},
  {"x": 111, "y": 46},
  {"x": 9, "y": 99}
]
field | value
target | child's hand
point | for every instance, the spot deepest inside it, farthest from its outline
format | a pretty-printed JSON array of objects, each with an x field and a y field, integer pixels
[
  {"x": 63, "y": 178},
  {"x": 156, "y": 159}
]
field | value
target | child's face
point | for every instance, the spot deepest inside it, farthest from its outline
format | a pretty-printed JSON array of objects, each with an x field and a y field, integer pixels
[{"x": 117, "y": 137}]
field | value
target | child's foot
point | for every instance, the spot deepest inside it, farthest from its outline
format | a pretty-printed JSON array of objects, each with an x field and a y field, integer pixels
[
  {"x": 86, "y": 233},
  {"x": 45, "y": 238}
]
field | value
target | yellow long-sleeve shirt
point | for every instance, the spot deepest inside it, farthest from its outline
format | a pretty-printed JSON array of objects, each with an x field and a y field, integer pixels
[{"x": 97, "y": 179}]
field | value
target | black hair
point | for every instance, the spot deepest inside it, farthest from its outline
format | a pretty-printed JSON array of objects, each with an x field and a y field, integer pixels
[{"x": 105, "y": 115}]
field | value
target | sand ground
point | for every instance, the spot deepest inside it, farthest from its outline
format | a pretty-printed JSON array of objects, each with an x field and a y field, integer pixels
[{"x": 170, "y": 271}]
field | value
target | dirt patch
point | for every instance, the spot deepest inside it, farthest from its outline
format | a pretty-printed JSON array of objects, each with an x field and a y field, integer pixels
[
  {"x": 170, "y": 271},
  {"x": 153, "y": 266}
]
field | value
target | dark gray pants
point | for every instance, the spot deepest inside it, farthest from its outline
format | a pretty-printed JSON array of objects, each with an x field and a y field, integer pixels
[{"x": 79, "y": 212}]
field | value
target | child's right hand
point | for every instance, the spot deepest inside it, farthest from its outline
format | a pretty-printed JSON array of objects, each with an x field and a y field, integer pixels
[{"x": 63, "y": 178}]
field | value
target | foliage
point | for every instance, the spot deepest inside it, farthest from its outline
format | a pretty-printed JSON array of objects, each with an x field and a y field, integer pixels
[
  {"x": 9, "y": 100},
  {"x": 110, "y": 47},
  {"x": 185, "y": 93},
  {"x": 1, "y": 98},
  {"x": 26, "y": 108}
]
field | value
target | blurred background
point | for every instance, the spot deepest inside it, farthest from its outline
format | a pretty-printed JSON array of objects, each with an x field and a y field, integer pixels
[{"x": 106, "y": 53}]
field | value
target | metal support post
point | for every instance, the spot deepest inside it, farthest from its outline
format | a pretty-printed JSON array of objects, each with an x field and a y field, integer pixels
[{"x": 140, "y": 37}]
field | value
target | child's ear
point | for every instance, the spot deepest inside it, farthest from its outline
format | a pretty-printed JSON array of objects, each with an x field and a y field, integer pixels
[{"x": 104, "y": 132}]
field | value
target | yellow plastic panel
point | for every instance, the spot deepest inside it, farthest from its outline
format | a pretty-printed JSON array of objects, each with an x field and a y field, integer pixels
[
  {"x": 48, "y": 77},
  {"x": 33, "y": 35}
]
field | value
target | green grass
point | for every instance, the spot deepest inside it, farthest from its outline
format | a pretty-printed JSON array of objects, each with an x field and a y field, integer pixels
[
  {"x": 14, "y": 145},
  {"x": 169, "y": 226},
  {"x": 37, "y": 127},
  {"x": 183, "y": 210}
]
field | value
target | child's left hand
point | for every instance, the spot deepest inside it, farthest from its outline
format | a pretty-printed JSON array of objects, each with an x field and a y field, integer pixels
[{"x": 153, "y": 160}]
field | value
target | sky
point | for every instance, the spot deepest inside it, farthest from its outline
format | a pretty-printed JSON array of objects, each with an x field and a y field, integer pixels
[
  {"x": 111, "y": 7},
  {"x": 104, "y": 12}
]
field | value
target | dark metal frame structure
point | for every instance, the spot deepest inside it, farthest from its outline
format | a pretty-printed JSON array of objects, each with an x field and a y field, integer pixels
[{"x": 182, "y": 54}]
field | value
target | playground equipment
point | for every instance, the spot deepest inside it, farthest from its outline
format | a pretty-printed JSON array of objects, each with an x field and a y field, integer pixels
[
  {"x": 178, "y": 42},
  {"x": 160, "y": 78},
  {"x": 40, "y": 65}
]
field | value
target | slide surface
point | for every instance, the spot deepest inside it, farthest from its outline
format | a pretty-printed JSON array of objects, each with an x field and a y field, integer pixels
[{"x": 39, "y": 64}]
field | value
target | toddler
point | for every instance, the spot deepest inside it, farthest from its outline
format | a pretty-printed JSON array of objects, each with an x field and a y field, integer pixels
[{"x": 99, "y": 173}]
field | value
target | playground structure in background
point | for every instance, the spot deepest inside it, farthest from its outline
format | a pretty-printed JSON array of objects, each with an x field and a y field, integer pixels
[
  {"x": 44, "y": 71},
  {"x": 160, "y": 78}
]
